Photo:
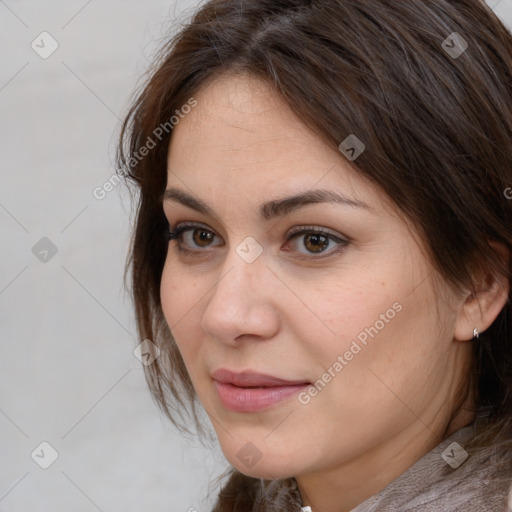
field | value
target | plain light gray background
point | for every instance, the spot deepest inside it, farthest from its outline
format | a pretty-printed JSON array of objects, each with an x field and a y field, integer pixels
[{"x": 68, "y": 375}]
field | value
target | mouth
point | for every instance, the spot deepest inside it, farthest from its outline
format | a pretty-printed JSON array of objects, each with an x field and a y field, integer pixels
[{"x": 252, "y": 392}]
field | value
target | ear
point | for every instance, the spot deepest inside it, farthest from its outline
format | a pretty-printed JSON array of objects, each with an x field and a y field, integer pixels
[{"x": 480, "y": 309}]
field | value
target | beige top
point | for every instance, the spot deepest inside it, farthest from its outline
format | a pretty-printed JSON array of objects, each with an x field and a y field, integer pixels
[{"x": 447, "y": 479}]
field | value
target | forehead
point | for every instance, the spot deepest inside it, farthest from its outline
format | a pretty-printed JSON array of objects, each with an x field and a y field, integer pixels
[
  {"x": 241, "y": 115},
  {"x": 242, "y": 136}
]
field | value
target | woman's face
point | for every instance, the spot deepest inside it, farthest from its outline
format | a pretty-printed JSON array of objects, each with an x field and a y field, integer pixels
[{"x": 309, "y": 327}]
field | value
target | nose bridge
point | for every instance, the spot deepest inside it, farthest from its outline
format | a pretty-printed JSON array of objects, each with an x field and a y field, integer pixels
[
  {"x": 239, "y": 303},
  {"x": 245, "y": 267},
  {"x": 238, "y": 282}
]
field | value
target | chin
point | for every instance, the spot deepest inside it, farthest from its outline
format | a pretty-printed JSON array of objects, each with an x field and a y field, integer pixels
[{"x": 261, "y": 462}]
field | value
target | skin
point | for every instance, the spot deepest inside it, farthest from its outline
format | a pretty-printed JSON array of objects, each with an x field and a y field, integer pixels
[{"x": 291, "y": 314}]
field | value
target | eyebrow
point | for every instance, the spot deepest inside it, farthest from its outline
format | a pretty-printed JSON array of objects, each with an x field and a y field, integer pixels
[{"x": 270, "y": 209}]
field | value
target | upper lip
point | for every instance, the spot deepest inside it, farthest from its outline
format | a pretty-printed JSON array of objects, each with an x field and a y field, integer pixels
[{"x": 249, "y": 378}]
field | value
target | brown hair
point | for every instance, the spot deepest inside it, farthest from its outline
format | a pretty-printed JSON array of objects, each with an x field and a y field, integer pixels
[{"x": 437, "y": 130}]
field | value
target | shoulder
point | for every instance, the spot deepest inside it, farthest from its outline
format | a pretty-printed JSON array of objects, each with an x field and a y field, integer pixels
[{"x": 480, "y": 484}]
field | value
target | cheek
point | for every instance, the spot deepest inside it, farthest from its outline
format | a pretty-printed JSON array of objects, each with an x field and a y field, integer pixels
[
  {"x": 390, "y": 358},
  {"x": 359, "y": 310},
  {"x": 170, "y": 285},
  {"x": 181, "y": 297},
  {"x": 180, "y": 291},
  {"x": 376, "y": 321}
]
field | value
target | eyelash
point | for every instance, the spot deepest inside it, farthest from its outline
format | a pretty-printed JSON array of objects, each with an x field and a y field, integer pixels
[{"x": 295, "y": 233}]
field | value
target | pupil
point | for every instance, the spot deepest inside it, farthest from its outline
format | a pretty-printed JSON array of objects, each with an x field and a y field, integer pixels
[
  {"x": 204, "y": 236},
  {"x": 316, "y": 239}
]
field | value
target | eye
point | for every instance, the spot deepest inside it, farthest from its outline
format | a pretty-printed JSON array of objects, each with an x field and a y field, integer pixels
[
  {"x": 192, "y": 235},
  {"x": 193, "y": 238},
  {"x": 317, "y": 241}
]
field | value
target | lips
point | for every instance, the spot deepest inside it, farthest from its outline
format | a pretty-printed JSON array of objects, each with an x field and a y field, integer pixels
[
  {"x": 251, "y": 392},
  {"x": 249, "y": 379}
]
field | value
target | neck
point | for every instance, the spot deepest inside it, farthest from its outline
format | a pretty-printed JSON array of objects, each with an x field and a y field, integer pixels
[{"x": 342, "y": 488}]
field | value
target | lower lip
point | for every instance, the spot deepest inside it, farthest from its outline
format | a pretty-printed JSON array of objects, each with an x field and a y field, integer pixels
[{"x": 254, "y": 399}]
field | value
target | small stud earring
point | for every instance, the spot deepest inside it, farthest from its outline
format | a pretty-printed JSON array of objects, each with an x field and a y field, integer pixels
[{"x": 476, "y": 334}]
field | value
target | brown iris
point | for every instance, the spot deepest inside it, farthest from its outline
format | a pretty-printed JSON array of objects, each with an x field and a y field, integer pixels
[
  {"x": 201, "y": 235},
  {"x": 316, "y": 242}
]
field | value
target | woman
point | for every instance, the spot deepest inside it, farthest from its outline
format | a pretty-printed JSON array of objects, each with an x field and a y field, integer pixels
[{"x": 322, "y": 244}]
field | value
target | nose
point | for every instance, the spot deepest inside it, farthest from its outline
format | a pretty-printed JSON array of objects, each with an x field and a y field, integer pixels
[{"x": 241, "y": 305}]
